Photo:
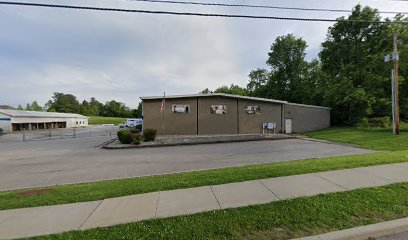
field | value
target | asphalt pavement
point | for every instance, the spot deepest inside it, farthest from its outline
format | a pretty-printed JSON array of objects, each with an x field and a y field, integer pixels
[{"x": 72, "y": 160}]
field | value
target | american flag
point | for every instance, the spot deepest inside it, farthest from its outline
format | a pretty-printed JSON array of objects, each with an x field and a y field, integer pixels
[{"x": 163, "y": 104}]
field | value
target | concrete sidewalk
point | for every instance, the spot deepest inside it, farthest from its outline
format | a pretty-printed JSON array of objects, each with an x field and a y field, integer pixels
[{"x": 78, "y": 216}]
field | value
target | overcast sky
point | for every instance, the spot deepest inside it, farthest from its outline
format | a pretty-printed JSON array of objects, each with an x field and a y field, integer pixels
[{"x": 123, "y": 56}]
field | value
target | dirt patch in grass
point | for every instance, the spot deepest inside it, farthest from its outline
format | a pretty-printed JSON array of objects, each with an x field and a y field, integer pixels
[{"x": 35, "y": 192}]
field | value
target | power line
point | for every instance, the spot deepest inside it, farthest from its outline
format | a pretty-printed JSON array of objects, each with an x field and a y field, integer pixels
[
  {"x": 76, "y": 7},
  {"x": 258, "y": 6}
]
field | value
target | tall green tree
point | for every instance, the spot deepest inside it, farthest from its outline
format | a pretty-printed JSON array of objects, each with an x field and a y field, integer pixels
[
  {"x": 402, "y": 32},
  {"x": 206, "y": 91},
  {"x": 290, "y": 76},
  {"x": 28, "y": 107},
  {"x": 20, "y": 107},
  {"x": 36, "y": 107},
  {"x": 257, "y": 81},
  {"x": 352, "y": 57},
  {"x": 91, "y": 108},
  {"x": 61, "y": 102},
  {"x": 116, "y": 109},
  {"x": 232, "y": 89},
  {"x": 84, "y": 109},
  {"x": 288, "y": 67},
  {"x": 137, "y": 113},
  {"x": 95, "y": 107}
]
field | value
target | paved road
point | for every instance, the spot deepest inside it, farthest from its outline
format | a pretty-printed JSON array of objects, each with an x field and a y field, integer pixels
[
  {"x": 51, "y": 162},
  {"x": 18, "y": 223}
]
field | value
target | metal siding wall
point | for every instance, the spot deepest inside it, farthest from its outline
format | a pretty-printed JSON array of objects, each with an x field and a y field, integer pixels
[
  {"x": 304, "y": 118},
  {"x": 252, "y": 123},
  {"x": 217, "y": 123},
  {"x": 175, "y": 123},
  {"x": 5, "y": 124},
  {"x": 152, "y": 117},
  {"x": 307, "y": 118}
]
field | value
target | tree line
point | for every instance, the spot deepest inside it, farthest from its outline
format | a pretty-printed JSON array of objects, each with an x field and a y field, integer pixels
[
  {"x": 68, "y": 103},
  {"x": 349, "y": 75}
]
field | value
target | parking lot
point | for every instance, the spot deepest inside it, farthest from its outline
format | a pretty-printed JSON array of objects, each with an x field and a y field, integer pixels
[
  {"x": 72, "y": 160},
  {"x": 61, "y": 133}
]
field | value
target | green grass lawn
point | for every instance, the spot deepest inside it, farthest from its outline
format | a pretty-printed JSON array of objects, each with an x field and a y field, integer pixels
[
  {"x": 277, "y": 220},
  {"x": 105, "y": 120},
  {"x": 115, "y": 188},
  {"x": 377, "y": 139}
]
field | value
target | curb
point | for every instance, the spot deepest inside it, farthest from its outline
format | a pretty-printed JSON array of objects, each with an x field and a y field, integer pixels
[
  {"x": 106, "y": 145},
  {"x": 364, "y": 232}
]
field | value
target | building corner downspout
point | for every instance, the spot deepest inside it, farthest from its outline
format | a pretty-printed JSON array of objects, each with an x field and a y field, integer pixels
[
  {"x": 143, "y": 116},
  {"x": 283, "y": 118}
]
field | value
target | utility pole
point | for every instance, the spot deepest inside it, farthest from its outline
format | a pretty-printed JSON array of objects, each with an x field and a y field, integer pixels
[
  {"x": 394, "y": 85},
  {"x": 396, "y": 99}
]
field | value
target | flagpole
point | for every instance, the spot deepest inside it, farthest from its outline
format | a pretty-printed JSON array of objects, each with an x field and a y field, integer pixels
[{"x": 164, "y": 108}]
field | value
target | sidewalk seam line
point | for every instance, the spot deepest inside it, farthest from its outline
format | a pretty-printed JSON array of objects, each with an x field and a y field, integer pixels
[
  {"x": 269, "y": 189},
  {"x": 332, "y": 182},
  {"x": 374, "y": 175},
  {"x": 215, "y": 197},
  {"x": 157, "y": 205},
  {"x": 90, "y": 214}
]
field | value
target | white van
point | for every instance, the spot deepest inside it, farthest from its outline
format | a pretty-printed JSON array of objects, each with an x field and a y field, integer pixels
[{"x": 131, "y": 123}]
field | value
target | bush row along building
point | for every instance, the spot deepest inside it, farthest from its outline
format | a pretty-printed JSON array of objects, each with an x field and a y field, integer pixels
[{"x": 200, "y": 114}]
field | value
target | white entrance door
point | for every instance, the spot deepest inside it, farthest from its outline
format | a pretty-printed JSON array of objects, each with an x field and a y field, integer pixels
[{"x": 288, "y": 126}]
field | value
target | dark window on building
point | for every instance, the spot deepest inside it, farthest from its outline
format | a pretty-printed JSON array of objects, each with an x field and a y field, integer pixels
[
  {"x": 218, "y": 109},
  {"x": 180, "y": 108}
]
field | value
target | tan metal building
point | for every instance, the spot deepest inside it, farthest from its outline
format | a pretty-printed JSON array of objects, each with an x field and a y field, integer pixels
[
  {"x": 17, "y": 120},
  {"x": 219, "y": 113}
]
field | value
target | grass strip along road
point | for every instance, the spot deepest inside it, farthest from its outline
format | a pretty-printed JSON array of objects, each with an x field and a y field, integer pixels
[
  {"x": 278, "y": 220},
  {"x": 115, "y": 188}
]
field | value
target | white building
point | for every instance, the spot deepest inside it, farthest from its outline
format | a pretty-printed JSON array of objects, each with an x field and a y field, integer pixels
[{"x": 17, "y": 120}]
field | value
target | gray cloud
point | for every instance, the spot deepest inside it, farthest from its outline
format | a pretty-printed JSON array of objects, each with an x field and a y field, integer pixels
[{"x": 125, "y": 56}]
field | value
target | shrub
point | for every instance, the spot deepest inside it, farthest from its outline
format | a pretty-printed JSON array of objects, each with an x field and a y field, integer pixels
[
  {"x": 1, "y": 131},
  {"x": 134, "y": 130},
  {"x": 383, "y": 122},
  {"x": 136, "y": 138},
  {"x": 125, "y": 136},
  {"x": 377, "y": 122},
  {"x": 149, "y": 134},
  {"x": 140, "y": 126},
  {"x": 363, "y": 123}
]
